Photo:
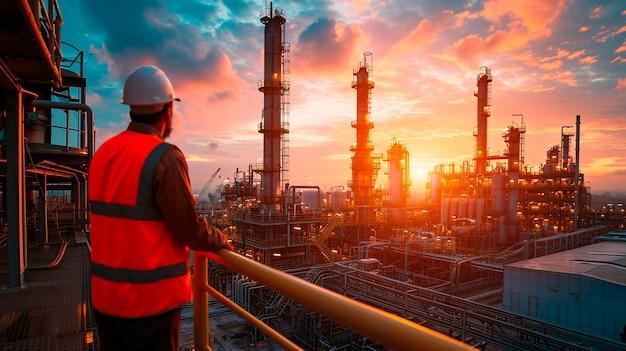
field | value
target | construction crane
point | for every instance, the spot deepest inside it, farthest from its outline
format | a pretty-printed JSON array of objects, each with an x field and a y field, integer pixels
[{"x": 203, "y": 195}]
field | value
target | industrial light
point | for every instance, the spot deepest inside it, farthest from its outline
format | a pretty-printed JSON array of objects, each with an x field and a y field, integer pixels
[{"x": 89, "y": 338}]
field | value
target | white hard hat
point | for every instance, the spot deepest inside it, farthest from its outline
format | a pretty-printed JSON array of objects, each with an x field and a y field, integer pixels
[{"x": 147, "y": 89}]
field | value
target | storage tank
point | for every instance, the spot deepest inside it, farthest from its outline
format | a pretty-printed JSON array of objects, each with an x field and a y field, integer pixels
[
  {"x": 445, "y": 210},
  {"x": 498, "y": 200},
  {"x": 312, "y": 198},
  {"x": 398, "y": 163},
  {"x": 435, "y": 188},
  {"x": 502, "y": 233},
  {"x": 337, "y": 199},
  {"x": 36, "y": 127},
  {"x": 472, "y": 208},
  {"x": 463, "y": 212},
  {"x": 480, "y": 210},
  {"x": 454, "y": 207},
  {"x": 548, "y": 169}
]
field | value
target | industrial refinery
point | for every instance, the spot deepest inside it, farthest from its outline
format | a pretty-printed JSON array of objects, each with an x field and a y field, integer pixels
[{"x": 498, "y": 256}]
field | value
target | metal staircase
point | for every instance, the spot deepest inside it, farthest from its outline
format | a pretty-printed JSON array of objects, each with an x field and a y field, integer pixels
[{"x": 320, "y": 239}]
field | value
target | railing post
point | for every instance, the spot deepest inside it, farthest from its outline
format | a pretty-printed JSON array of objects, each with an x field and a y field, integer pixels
[{"x": 201, "y": 303}]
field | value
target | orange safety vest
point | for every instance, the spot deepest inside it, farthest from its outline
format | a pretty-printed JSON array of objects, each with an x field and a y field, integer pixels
[{"x": 137, "y": 270}]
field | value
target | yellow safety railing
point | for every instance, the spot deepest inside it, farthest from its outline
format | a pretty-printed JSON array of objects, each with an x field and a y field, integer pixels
[{"x": 386, "y": 328}]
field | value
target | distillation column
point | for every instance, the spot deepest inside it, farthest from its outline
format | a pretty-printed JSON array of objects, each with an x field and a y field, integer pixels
[
  {"x": 399, "y": 182},
  {"x": 271, "y": 124},
  {"x": 364, "y": 169},
  {"x": 513, "y": 137},
  {"x": 566, "y": 140},
  {"x": 483, "y": 93}
]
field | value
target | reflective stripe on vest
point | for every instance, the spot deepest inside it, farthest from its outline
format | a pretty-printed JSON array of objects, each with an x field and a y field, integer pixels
[{"x": 121, "y": 275}]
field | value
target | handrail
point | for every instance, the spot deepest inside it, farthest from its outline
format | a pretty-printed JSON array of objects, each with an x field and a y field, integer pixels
[
  {"x": 386, "y": 328},
  {"x": 74, "y": 107}
]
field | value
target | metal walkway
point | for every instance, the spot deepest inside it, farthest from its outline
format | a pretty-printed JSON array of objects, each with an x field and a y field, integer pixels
[{"x": 53, "y": 310}]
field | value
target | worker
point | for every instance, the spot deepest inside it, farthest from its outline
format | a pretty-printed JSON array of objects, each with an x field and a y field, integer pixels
[{"x": 143, "y": 224}]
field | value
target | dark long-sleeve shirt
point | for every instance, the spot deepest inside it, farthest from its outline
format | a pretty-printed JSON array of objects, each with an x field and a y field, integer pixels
[{"x": 174, "y": 198}]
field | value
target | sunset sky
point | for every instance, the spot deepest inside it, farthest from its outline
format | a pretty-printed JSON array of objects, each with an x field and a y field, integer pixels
[{"x": 551, "y": 60}]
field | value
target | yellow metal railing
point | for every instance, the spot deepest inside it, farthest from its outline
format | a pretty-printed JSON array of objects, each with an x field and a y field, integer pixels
[{"x": 386, "y": 328}]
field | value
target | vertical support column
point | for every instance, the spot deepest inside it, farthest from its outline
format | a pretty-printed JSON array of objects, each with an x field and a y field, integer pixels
[
  {"x": 201, "y": 303},
  {"x": 3, "y": 204},
  {"x": 15, "y": 190},
  {"x": 43, "y": 208},
  {"x": 577, "y": 186},
  {"x": 76, "y": 200},
  {"x": 81, "y": 204}
]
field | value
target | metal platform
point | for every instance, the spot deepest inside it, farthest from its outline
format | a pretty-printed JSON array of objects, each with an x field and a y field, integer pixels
[{"x": 53, "y": 309}]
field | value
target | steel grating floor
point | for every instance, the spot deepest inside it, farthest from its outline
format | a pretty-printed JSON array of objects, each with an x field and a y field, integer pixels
[
  {"x": 53, "y": 309},
  {"x": 52, "y": 312}
]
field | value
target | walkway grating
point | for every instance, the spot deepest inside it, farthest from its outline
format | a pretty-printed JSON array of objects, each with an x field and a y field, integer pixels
[{"x": 52, "y": 311}]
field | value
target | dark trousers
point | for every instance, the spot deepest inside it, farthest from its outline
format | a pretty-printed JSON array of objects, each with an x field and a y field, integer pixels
[{"x": 160, "y": 332}]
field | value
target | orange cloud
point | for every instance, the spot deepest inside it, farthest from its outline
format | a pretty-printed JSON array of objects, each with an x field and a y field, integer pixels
[
  {"x": 463, "y": 16},
  {"x": 588, "y": 60},
  {"x": 619, "y": 59},
  {"x": 473, "y": 48},
  {"x": 537, "y": 88},
  {"x": 327, "y": 47},
  {"x": 360, "y": 6},
  {"x": 596, "y": 12},
  {"x": 536, "y": 17},
  {"x": 576, "y": 54},
  {"x": 584, "y": 29},
  {"x": 551, "y": 65},
  {"x": 526, "y": 56},
  {"x": 212, "y": 89},
  {"x": 565, "y": 77},
  {"x": 621, "y": 48},
  {"x": 514, "y": 24},
  {"x": 418, "y": 39},
  {"x": 621, "y": 84},
  {"x": 419, "y": 44}
]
